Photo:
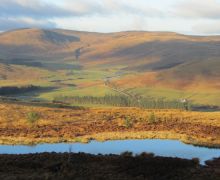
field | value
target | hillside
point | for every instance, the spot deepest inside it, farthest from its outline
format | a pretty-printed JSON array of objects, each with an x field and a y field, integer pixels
[
  {"x": 34, "y": 44},
  {"x": 11, "y": 75},
  {"x": 143, "y": 50},
  {"x": 158, "y": 64}
]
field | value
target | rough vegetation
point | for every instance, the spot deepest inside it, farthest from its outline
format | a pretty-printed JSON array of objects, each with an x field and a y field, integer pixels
[
  {"x": 108, "y": 167},
  {"x": 33, "y": 117},
  {"x": 78, "y": 124}
]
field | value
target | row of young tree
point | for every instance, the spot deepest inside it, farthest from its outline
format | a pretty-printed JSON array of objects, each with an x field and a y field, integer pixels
[{"x": 125, "y": 101}]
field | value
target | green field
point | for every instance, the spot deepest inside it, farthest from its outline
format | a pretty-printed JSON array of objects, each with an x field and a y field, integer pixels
[{"x": 91, "y": 82}]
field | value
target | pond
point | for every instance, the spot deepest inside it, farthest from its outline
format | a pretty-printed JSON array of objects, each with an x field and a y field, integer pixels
[{"x": 167, "y": 148}]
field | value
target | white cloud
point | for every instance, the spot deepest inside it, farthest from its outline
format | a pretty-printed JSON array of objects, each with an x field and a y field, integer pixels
[
  {"x": 110, "y": 7},
  {"x": 105, "y": 23},
  {"x": 209, "y": 27},
  {"x": 16, "y": 23},
  {"x": 184, "y": 16},
  {"x": 208, "y": 9},
  {"x": 31, "y": 8}
]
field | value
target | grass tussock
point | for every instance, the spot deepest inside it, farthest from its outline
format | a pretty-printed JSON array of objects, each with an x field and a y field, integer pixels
[{"x": 33, "y": 117}]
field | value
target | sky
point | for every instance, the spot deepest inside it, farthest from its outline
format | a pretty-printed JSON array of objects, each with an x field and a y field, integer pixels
[{"x": 198, "y": 17}]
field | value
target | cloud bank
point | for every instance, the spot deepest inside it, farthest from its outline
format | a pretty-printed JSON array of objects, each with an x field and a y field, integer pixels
[{"x": 184, "y": 16}]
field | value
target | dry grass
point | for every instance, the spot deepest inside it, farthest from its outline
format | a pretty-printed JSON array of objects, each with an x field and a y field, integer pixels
[{"x": 67, "y": 125}]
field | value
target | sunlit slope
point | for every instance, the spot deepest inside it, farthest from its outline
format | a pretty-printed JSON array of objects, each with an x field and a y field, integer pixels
[
  {"x": 16, "y": 75},
  {"x": 150, "y": 51},
  {"x": 138, "y": 50},
  {"x": 34, "y": 44},
  {"x": 183, "y": 76},
  {"x": 198, "y": 81}
]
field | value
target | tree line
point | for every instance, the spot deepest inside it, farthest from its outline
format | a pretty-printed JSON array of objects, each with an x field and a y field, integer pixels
[{"x": 125, "y": 101}]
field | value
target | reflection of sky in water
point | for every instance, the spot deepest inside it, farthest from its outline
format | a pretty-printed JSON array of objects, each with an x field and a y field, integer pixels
[{"x": 170, "y": 148}]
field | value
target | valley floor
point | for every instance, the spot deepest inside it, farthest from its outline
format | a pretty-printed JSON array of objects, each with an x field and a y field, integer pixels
[{"x": 26, "y": 124}]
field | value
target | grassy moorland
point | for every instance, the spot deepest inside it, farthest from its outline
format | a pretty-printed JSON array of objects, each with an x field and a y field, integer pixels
[{"x": 28, "y": 124}]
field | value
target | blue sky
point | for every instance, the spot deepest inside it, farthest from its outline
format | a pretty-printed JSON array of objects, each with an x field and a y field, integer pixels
[{"x": 182, "y": 16}]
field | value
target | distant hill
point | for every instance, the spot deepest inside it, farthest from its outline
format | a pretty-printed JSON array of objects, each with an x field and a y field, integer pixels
[
  {"x": 34, "y": 44},
  {"x": 159, "y": 58},
  {"x": 143, "y": 50}
]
